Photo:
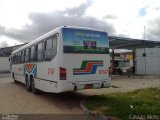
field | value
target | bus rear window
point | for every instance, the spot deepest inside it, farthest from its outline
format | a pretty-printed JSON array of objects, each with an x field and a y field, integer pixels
[{"x": 85, "y": 41}]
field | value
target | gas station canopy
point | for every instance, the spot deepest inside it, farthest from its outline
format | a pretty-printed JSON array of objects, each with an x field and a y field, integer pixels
[{"x": 131, "y": 44}]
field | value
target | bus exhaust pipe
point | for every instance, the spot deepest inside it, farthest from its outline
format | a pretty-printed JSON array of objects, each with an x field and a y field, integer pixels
[
  {"x": 102, "y": 85},
  {"x": 75, "y": 88}
]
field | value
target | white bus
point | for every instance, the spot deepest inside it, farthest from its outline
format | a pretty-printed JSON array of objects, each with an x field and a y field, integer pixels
[{"x": 64, "y": 59}]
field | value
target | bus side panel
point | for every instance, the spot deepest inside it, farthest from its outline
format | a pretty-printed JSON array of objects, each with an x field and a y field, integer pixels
[
  {"x": 46, "y": 78},
  {"x": 17, "y": 70},
  {"x": 48, "y": 73}
]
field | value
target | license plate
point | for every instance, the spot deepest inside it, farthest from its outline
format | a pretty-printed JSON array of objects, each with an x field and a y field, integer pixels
[{"x": 88, "y": 86}]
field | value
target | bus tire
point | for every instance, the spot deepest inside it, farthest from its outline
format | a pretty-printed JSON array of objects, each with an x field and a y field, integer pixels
[
  {"x": 33, "y": 89},
  {"x": 28, "y": 86},
  {"x": 15, "y": 81}
]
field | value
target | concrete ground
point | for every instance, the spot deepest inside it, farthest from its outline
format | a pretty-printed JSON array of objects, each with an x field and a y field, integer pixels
[
  {"x": 15, "y": 99},
  {"x": 125, "y": 84}
]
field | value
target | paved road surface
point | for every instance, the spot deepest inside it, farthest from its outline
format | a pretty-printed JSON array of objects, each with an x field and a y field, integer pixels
[
  {"x": 15, "y": 99},
  {"x": 126, "y": 84}
]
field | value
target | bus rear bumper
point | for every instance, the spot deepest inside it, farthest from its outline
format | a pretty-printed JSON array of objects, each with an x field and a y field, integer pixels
[
  {"x": 70, "y": 86},
  {"x": 107, "y": 83}
]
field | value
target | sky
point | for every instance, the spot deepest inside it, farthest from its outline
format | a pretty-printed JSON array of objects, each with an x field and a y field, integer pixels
[{"x": 22, "y": 21}]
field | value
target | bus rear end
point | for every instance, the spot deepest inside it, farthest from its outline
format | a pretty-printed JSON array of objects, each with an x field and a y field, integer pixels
[{"x": 84, "y": 59}]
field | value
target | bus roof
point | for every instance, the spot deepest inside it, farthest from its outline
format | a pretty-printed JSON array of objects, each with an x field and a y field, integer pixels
[{"x": 51, "y": 33}]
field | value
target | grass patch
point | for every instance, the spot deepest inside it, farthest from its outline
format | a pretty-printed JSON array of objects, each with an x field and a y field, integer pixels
[{"x": 121, "y": 105}]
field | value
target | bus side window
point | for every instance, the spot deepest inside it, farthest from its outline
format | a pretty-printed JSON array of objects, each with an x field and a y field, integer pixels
[
  {"x": 50, "y": 48},
  {"x": 20, "y": 57},
  {"x": 33, "y": 53},
  {"x": 16, "y": 57},
  {"x": 55, "y": 43},
  {"x": 13, "y": 59},
  {"x": 27, "y": 55},
  {"x": 40, "y": 51},
  {"x": 23, "y": 56}
]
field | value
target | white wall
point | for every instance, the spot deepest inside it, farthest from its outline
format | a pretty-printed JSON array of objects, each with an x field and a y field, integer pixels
[
  {"x": 149, "y": 64},
  {"x": 4, "y": 64}
]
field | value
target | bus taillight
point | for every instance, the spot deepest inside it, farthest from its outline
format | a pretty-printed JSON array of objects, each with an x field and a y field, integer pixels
[
  {"x": 110, "y": 71},
  {"x": 63, "y": 73}
]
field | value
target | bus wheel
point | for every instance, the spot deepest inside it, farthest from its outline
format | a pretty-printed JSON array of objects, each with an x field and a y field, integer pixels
[
  {"x": 15, "y": 81},
  {"x": 34, "y": 90},
  {"x": 28, "y": 86}
]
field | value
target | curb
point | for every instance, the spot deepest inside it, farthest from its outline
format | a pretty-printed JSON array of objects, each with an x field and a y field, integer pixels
[
  {"x": 150, "y": 77},
  {"x": 87, "y": 111}
]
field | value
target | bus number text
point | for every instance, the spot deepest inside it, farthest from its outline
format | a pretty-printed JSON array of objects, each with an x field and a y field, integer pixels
[
  {"x": 103, "y": 72},
  {"x": 51, "y": 71}
]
